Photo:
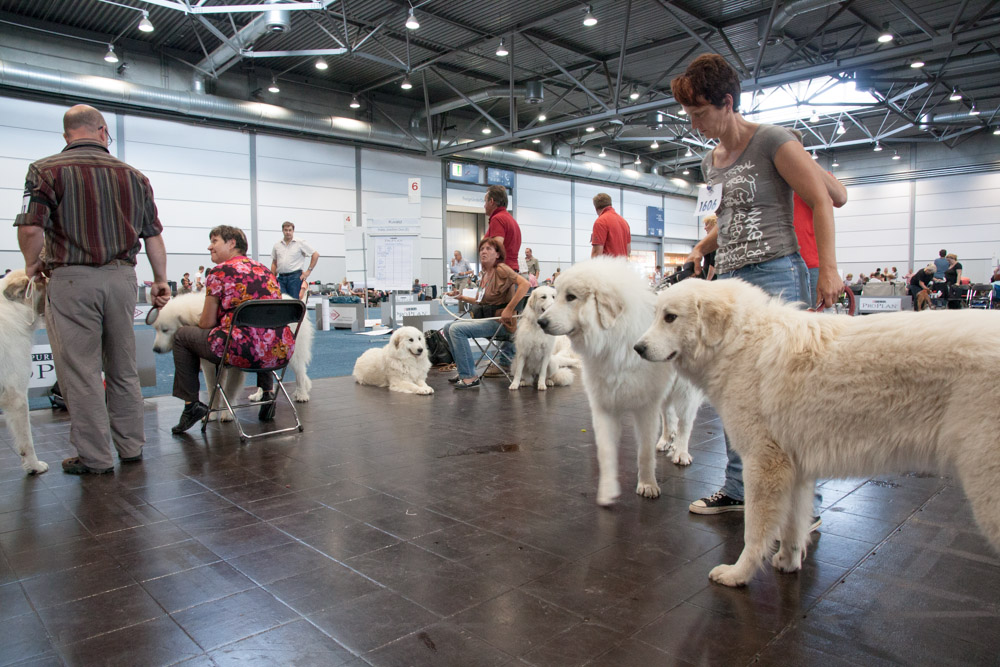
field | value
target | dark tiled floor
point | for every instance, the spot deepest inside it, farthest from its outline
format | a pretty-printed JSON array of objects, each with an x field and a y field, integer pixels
[{"x": 403, "y": 530}]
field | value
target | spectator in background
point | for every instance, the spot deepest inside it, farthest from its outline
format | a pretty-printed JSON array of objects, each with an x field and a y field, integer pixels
[
  {"x": 921, "y": 280},
  {"x": 85, "y": 217},
  {"x": 288, "y": 256},
  {"x": 418, "y": 290},
  {"x": 502, "y": 225},
  {"x": 185, "y": 284},
  {"x": 461, "y": 272},
  {"x": 941, "y": 264},
  {"x": 952, "y": 288},
  {"x": 531, "y": 264},
  {"x": 199, "y": 279},
  {"x": 848, "y": 280},
  {"x": 657, "y": 275},
  {"x": 611, "y": 234}
]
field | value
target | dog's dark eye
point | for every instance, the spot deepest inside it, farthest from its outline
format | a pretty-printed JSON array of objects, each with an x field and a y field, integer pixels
[
  {"x": 571, "y": 297},
  {"x": 669, "y": 317}
]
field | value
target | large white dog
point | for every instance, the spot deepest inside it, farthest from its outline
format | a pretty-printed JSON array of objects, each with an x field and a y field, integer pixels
[
  {"x": 805, "y": 396},
  {"x": 604, "y": 305},
  {"x": 186, "y": 310},
  {"x": 402, "y": 365},
  {"x": 540, "y": 357},
  {"x": 20, "y": 314}
]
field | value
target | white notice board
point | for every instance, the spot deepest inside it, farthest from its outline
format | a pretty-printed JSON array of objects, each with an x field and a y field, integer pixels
[{"x": 393, "y": 266}]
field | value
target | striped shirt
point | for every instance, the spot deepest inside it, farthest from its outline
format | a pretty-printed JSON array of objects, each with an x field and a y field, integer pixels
[{"x": 93, "y": 207}]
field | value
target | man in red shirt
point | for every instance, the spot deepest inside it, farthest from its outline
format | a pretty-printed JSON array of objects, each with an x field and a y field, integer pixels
[
  {"x": 611, "y": 235},
  {"x": 502, "y": 224}
]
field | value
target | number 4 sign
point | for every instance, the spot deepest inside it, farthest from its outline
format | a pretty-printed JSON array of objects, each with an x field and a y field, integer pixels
[{"x": 708, "y": 199}]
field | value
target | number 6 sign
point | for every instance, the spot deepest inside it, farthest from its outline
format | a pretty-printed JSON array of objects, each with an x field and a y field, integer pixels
[{"x": 413, "y": 190}]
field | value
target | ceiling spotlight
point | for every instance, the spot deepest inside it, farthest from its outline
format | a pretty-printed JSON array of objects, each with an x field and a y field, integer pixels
[
  {"x": 814, "y": 118},
  {"x": 411, "y": 21},
  {"x": 972, "y": 112},
  {"x": 895, "y": 155},
  {"x": 885, "y": 36},
  {"x": 634, "y": 95},
  {"x": 688, "y": 153},
  {"x": 834, "y": 163},
  {"x": 589, "y": 20},
  {"x": 502, "y": 49},
  {"x": 321, "y": 64},
  {"x": 955, "y": 95},
  {"x": 354, "y": 103},
  {"x": 682, "y": 112},
  {"x": 604, "y": 153},
  {"x": 878, "y": 147},
  {"x": 917, "y": 63},
  {"x": 405, "y": 84},
  {"x": 997, "y": 131},
  {"x": 686, "y": 172},
  {"x": 655, "y": 144},
  {"x": 542, "y": 117},
  {"x": 841, "y": 128},
  {"x": 487, "y": 129},
  {"x": 111, "y": 56},
  {"x": 536, "y": 141},
  {"x": 637, "y": 160},
  {"x": 814, "y": 156},
  {"x": 273, "y": 88},
  {"x": 145, "y": 25},
  {"x": 591, "y": 128}
]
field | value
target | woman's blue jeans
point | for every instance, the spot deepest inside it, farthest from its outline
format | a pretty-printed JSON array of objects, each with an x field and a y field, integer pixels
[{"x": 459, "y": 333}]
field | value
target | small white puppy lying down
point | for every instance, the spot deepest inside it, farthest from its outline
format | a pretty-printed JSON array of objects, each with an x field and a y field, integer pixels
[
  {"x": 402, "y": 365},
  {"x": 538, "y": 355}
]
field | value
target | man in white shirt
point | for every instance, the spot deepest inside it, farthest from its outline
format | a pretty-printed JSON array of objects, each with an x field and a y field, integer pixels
[{"x": 287, "y": 259}]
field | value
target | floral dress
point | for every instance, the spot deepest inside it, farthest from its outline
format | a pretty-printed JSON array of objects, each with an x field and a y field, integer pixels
[{"x": 234, "y": 281}]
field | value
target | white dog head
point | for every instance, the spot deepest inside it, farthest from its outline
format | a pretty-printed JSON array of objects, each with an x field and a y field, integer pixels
[
  {"x": 593, "y": 294},
  {"x": 541, "y": 298},
  {"x": 15, "y": 287},
  {"x": 408, "y": 340},
  {"x": 694, "y": 317},
  {"x": 178, "y": 312}
]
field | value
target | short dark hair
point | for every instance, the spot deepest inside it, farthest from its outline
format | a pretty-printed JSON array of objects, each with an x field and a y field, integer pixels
[
  {"x": 492, "y": 240},
  {"x": 708, "y": 77},
  {"x": 942, "y": 253},
  {"x": 230, "y": 233},
  {"x": 288, "y": 223},
  {"x": 498, "y": 194},
  {"x": 602, "y": 200}
]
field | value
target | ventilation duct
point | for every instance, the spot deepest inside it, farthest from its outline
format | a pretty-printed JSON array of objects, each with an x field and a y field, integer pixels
[
  {"x": 959, "y": 118},
  {"x": 126, "y": 94},
  {"x": 785, "y": 15},
  {"x": 277, "y": 21},
  {"x": 476, "y": 96},
  {"x": 533, "y": 92}
]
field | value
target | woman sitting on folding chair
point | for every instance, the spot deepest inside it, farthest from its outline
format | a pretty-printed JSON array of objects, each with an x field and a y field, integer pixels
[
  {"x": 500, "y": 289},
  {"x": 235, "y": 278}
]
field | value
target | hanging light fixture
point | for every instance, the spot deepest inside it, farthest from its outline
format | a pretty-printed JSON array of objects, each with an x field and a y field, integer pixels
[
  {"x": 895, "y": 155},
  {"x": 604, "y": 153},
  {"x": 955, "y": 95},
  {"x": 111, "y": 56},
  {"x": 655, "y": 145},
  {"x": 145, "y": 25},
  {"x": 591, "y": 128},
  {"x": 354, "y": 103},
  {"x": 686, "y": 171},
  {"x": 972, "y": 112},
  {"x": 917, "y": 63},
  {"x": 321, "y": 64},
  {"x": 682, "y": 112},
  {"x": 589, "y": 19},
  {"x": 814, "y": 156},
  {"x": 834, "y": 163},
  {"x": 885, "y": 36},
  {"x": 634, "y": 95},
  {"x": 878, "y": 147},
  {"x": 638, "y": 160},
  {"x": 542, "y": 118},
  {"x": 411, "y": 21},
  {"x": 502, "y": 49},
  {"x": 814, "y": 118},
  {"x": 487, "y": 129},
  {"x": 406, "y": 85},
  {"x": 536, "y": 141},
  {"x": 841, "y": 128},
  {"x": 688, "y": 153},
  {"x": 273, "y": 88}
]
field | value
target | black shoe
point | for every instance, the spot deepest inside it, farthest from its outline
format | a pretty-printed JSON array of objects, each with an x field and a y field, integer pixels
[
  {"x": 131, "y": 459},
  {"x": 468, "y": 385},
  {"x": 74, "y": 466},
  {"x": 193, "y": 412},
  {"x": 717, "y": 503},
  {"x": 454, "y": 379},
  {"x": 266, "y": 413}
]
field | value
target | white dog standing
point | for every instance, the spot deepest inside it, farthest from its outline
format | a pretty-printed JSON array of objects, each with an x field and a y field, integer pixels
[
  {"x": 402, "y": 365},
  {"x": 806, "y": 396},
  {"x": 603, "y": 306},
  {"x": 186, "y": 310},
  {"x": 536, "y": 351},
  {"x": 20, "y": 315}
]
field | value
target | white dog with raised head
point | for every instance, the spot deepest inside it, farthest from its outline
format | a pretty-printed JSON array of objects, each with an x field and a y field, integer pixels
[
  {"x": 603, "y": 306},
  {"x": 537, "y": 358},
  {"x": 186, "y": 310},
  {"x": 402, "y": 365},
  {"x": 805, "y": 396},
  {"x": 20, "y": 315}
]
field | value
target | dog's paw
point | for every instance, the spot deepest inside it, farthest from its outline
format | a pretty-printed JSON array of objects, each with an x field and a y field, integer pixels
[
  {"x": 788, "y": 560},
  {"x": 681, "y": 458},
  {"x": 300, "y": 396},
  {"x": 514, "y": 386},
  {"x": 257, "y": 395},
  {"x": 607, "y": 493},
  {"x": 425, "y": 390},
  {"x": 542, "y": 386},
  {"x": 34, "y": 467},
  {"x": 225, "y": 416},
  {"x": 727, "y": 575},
  {"x": 663, "y": 445},
  {"x": 550, "y": 382},
  {"x": 648, "y": 490}
]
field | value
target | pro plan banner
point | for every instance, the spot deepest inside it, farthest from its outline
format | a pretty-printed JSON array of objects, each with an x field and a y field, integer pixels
[{"x": 43, "y": 368}]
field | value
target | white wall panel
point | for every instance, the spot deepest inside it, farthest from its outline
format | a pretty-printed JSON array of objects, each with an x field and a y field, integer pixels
[
  {"x": 634, "y": 209},
  {"x": 679, "y": 220},
  {"x": 170, "y": 133},
  {"x": 302, "y": 150},
  {"x": 543, "y": 213}
]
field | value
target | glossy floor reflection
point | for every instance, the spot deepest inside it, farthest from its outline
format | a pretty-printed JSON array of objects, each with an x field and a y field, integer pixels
[{"x": 460, "y": 529}]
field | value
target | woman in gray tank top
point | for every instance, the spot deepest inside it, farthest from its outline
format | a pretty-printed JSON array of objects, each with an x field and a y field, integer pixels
[{"x": 758, "y": 168}]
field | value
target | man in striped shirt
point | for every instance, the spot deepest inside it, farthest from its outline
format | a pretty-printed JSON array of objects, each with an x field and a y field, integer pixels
[{"x": 81, "y": 224}]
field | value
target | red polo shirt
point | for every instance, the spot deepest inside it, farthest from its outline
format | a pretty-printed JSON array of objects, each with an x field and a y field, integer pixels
[
  {"x": 503, "y": 224},
  {"x": 802, "y": 218},
  {"x": 612, "y": 232}
]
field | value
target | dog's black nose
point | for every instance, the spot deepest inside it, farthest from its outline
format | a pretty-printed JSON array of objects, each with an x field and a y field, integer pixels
[
  {"x": 640, "y": 348},
  {"x": 543, "y": 323},
  {"x": 420, "y": 351}
]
